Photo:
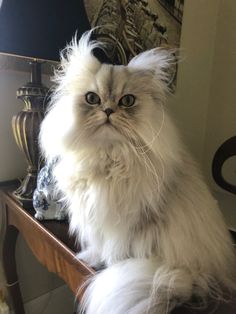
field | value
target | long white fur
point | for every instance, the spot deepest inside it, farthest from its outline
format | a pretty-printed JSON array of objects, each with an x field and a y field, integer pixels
[{"x": 137, "y": 201}]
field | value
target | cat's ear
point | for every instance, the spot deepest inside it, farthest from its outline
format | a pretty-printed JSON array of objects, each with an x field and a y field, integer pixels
[
  {"x": 78, "y": 56},
  {"x": 158, "y": 61}
]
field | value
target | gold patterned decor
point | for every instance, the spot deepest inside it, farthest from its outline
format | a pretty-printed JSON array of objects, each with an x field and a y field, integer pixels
[
  {"x": 26, "y": 125},
  {"x": 128, "y": 27}
]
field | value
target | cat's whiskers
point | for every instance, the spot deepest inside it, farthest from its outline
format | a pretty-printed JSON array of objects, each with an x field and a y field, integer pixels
[
  {"x": 136, "y": 143},
  {"x": 93, "y": 124},
  {"x": 150, "y": 167},
  {"x": 156, "y": 134},
  {"x": 157, "y": 152}
]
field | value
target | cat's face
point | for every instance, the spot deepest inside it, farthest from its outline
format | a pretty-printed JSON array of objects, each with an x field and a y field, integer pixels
[
  {"x": 112, "y": 104},
  {"x": 99, "y": 104}
]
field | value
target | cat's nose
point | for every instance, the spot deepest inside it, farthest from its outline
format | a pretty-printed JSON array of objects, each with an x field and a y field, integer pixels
[{"x": 108, "y": 111}]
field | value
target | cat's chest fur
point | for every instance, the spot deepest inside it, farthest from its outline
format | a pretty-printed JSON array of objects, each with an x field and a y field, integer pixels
[
  {"x": 109, "y": 186},
  {"x": 114, "y": 199}
]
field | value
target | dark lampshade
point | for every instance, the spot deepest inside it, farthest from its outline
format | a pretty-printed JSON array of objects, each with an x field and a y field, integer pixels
[
  {"x": 36, "y": 29},
  {"x": 40, "y": 28}
]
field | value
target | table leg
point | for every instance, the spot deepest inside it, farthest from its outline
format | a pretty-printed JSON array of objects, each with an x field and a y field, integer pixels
[{"x": 9, "y": 265}]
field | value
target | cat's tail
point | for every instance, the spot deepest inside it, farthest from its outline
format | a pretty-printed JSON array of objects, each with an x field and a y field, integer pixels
[{"x": 138, "y": 286}]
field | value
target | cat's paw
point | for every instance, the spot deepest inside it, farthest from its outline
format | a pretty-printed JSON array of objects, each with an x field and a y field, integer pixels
[
  {"x": 90, "y": 257},
  {"x": 39, "y": 216}
]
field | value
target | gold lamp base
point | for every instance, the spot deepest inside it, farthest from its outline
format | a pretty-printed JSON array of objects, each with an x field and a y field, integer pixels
[{"x": 26, "y": 126}]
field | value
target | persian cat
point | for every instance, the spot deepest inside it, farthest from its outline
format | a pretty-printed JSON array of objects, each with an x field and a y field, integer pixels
[{"x": 136, "y": 199}]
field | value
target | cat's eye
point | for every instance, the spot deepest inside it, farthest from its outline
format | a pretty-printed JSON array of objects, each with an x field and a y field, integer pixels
[
  {"x": 127, "y": 100},
  {"x": 92, "y": 98}
]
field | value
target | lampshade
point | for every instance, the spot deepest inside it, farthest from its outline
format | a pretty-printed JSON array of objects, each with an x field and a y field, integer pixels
[
  {"x": 36, "y": 29},
  {"x": 40, "y": 28}
]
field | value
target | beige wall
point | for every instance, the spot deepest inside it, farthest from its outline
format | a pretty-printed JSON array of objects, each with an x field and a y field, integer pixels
[
  {"x": 204, "y": 105},
  {"x": 190, "y": 103},
  {"x": 221, "y": 114}
]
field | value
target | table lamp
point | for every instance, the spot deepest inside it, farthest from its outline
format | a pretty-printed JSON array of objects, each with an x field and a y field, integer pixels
[{"x": 36, "y": 31}]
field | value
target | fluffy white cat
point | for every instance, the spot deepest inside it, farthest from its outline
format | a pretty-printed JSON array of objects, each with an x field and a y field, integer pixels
[{"x": 136, "y": 199}]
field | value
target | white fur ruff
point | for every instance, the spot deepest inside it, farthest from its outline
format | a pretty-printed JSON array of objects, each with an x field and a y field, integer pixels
[{"x": 136, "y": 199}]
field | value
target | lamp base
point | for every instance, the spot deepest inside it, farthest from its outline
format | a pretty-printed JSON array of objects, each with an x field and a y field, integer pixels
[
  {"x": 25, "y": 191},
  {"x": 26, "y": 126}
]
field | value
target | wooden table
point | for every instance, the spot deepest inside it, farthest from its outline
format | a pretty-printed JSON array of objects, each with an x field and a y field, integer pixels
[
  {"x": 50, "y": 243},
  {"x": 48, "y": 240}
]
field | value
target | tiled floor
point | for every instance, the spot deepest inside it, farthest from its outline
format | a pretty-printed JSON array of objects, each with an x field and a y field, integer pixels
[
  {"x": 43, "y": 292},
  {"x": 58, "y": 301}
]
